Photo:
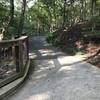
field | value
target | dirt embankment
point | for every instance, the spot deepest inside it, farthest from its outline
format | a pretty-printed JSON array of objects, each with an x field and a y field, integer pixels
[
  {"x": 78, "y": 37},
  {"x": 93, "y": 52}
]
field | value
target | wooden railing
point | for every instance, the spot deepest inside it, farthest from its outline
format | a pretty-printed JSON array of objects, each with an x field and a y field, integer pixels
[{"x": 13, "y": 59}]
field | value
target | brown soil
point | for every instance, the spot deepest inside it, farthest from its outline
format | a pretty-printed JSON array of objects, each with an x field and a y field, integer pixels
[{"x": 93, "y": 53}]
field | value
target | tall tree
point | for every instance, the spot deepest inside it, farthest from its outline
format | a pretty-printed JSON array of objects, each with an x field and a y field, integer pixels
[
  {"x": 11, "y": 12},
  {"x": 22, "y": 18},
  {"x": 10, "y": 17},
  {"x": 82, "y": 9},
  {"x": 64, "y": 13},
  {"x": 93, "y": 5}
]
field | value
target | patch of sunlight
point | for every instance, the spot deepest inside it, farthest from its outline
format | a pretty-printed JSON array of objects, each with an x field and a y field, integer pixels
[
  {"x": 82, "y": 57},
  {"x": 44, "y": 54},
  {"x": 40, "y": 76},
  {"x": 65, "y": 68},
  {"x": 41, "y": 96},
  {"x": 47, "y": 68},
  {"x": 49, "y": 54},
  {"x": 32, "y": 55},
  {"x": 49, "y": 64},
  {"x": 57, "y": 53},
  {"x": 45, "y": 51},
  {"x": 69, "y": 59}
]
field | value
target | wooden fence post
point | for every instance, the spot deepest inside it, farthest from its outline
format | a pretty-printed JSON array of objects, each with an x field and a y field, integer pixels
[
  {"x": 17, "y": 58},
  {"x": 27, "y": 44},
  {"x": 21, "y": 56}
]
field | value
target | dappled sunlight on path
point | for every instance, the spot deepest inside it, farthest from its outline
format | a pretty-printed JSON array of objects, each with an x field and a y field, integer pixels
[{"x": 58, "y": 76}]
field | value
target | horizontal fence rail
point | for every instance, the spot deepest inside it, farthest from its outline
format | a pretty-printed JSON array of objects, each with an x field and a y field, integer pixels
[{"x": 13, "y": 59}]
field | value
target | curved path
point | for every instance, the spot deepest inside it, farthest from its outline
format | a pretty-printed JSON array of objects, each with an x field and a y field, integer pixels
[{"x": 58, "y": 76}]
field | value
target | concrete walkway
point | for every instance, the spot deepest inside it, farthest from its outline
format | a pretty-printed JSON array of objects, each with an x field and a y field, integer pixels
[{"x": 58, "y": 76}]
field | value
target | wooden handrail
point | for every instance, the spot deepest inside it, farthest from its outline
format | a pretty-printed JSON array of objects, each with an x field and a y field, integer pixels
[
  {"x": 7, "y": 43},
  {"x": 14, "y": 40},
  {"x": 18, "y": 51}
]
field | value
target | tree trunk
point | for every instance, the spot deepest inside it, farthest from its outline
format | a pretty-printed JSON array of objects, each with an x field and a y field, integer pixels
[
  {"x": 92, "y": 7},
  {"x": 64, "y": 13},
  {"x": 11, "y": 12},
  {"x": 11, "y": 17},
  {"x": 82, "y": 10},
  {"x": 93, "y": 4},
  {"x": 22, "y": 17}
]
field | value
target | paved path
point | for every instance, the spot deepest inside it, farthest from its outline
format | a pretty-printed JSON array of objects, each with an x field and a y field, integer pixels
[{"x": 59, "y": 77}]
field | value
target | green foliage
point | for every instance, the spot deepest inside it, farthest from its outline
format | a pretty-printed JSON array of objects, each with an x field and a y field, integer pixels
[
  {"x": 3, "y": 14},
  {"x": 52, "y": 38},
  {"x": 70, "y": 48},
  {"x": 45, "y": 16}
]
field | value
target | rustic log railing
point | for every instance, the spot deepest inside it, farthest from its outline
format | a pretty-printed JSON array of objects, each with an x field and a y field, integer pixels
[{"x": 13, "y": 59}]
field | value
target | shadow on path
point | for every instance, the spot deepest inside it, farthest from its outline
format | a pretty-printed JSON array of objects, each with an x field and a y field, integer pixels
[{"x": 58, "y": 76}]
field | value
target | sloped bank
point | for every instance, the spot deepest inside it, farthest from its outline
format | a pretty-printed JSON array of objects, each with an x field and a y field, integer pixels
[{"x": 78, "y": 38}]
